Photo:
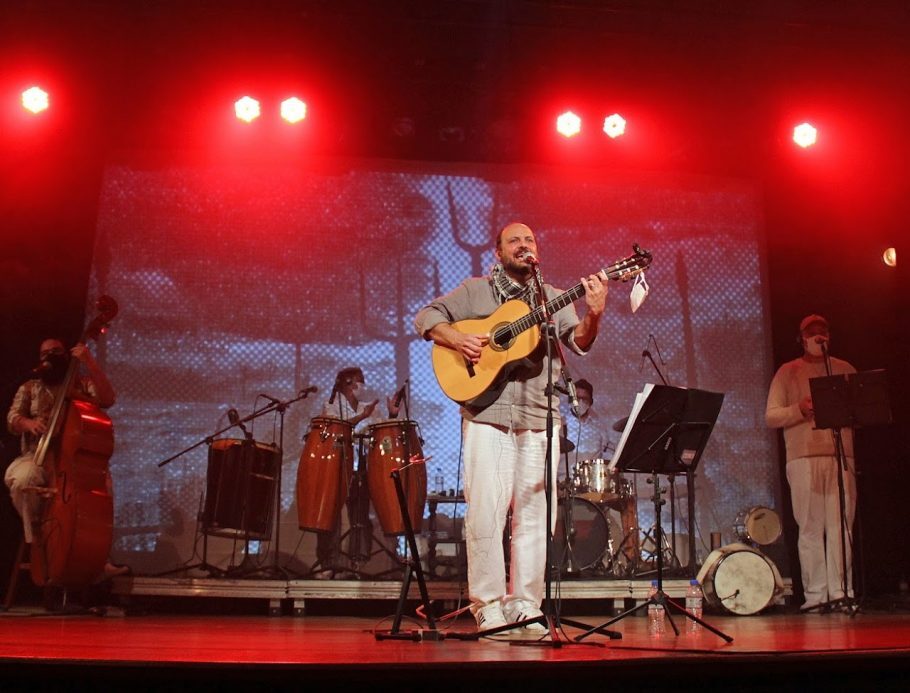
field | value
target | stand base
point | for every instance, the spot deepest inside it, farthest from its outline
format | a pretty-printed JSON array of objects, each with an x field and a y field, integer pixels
[{"x": 846, "y": 605}]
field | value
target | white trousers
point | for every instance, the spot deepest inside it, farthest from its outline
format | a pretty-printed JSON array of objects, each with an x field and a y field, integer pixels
[
  {"x": 22, "y": 473},
  {"x": 816, "y": 507},
  {"x": 503, "y": 469}
]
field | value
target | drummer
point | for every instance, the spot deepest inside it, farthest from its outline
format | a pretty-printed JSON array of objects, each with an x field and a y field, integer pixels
[
  {"x": 345, "y": 403},
  {"x": 585, "y": 431}
]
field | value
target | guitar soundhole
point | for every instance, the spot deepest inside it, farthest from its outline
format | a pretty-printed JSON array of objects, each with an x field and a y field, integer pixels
[{"x": 503, "y": 337}]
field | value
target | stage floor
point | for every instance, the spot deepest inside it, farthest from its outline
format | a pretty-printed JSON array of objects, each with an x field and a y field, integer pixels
[{"x": 154, "y": 651}]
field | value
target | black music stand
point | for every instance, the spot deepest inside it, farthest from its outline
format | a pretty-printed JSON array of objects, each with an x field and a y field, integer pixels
[
  {"x": 666, "y": 434},
  {"x": 846, "y": 401}
]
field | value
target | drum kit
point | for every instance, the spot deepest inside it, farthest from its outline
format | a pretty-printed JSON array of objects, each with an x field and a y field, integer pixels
[{"x": 597, "y": 521}]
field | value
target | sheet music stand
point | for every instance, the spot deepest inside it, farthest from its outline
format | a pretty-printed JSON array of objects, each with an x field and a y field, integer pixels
[
  {"x": 841, "y": 401},
  {"x": 666, "y": 434}
]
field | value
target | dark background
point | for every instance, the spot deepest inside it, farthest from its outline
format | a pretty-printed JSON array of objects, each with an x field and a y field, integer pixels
[{"x": 712, "y": 87}]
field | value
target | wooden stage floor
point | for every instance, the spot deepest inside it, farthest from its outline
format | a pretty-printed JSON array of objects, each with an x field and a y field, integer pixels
[{"x": 870, "y": 650}]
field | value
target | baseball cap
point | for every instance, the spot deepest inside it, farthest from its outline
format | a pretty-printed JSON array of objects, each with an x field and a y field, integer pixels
[{"x": 809, "y": 319}]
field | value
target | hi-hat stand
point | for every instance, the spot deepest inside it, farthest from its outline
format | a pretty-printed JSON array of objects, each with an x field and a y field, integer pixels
[{"x": 666, "y": 433}]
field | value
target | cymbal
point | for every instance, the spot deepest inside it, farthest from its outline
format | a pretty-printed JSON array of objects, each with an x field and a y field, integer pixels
[{"x": 620, "y": 425}]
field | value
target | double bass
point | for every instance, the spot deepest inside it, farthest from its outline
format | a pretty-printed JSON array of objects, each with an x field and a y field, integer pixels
[{"x": 73, "y": 539}]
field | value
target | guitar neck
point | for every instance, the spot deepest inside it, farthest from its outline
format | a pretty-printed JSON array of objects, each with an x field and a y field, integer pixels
[{"x": 539, "y": 315}]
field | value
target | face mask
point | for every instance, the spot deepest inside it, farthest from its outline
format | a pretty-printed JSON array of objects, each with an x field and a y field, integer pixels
[
  {"x": 57, "y": 371},
  {"x": 640, "y": 290},
  {"x": 583, "y": 408},
  {"x": 357, "y": 389}
]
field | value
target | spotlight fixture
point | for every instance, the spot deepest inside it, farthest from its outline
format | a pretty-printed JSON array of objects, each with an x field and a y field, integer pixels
[
  {"x": 293, "y": 110},
  {"x": 246, "y": 109},
  {"x": 35, "y": 100},
  {"x": 889, "y": 257},
  {"x": 568, "y": 124},
  {"x": 805, "y": 135},
  {"x": 614, "y": 126}
]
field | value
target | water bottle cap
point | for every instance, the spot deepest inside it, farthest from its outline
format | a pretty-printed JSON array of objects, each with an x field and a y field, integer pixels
[
  {"x": 693, "y": 581},
  {"x": 653, "y": 583}
]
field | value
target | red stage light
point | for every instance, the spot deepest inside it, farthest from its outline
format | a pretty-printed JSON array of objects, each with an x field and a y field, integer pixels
[
  {"x": 35, "y": 99},
  {"x": 293, "y": 110},
  {"x": 568, "y": 124},
  {"x": 614, "y": 126},
  {"x": 246, "y": 109},
  {"x": 805, "y": 135}
]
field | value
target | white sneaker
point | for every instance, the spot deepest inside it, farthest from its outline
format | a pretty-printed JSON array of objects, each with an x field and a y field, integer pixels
[
  {"x": 490, "y": 616},
  {"x": 523, "y": 610}
]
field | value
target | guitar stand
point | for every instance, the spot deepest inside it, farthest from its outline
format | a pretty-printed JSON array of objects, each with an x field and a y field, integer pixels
[{"x": 412, "y": 568}]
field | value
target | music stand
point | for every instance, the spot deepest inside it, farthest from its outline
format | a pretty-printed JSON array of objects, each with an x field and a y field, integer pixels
[
  {"x": 841, "y": 401},
  {"x": 665, "y": 434}
]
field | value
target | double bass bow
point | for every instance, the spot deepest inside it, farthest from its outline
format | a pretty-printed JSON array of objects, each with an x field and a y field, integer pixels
[{"x": 73, "y": 539}]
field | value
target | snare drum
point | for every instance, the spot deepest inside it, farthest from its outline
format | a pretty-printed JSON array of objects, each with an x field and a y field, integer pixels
[
  {"x": 739, "y": 579},
  {"x": 758, "y": 525},
  {"x": 391, "y": 444},
  {"x": 594, "y": 481},
  {"x": 324, "y": 473}
]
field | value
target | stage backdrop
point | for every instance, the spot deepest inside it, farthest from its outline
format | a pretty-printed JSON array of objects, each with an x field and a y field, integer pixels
[{"x": 239, "y": 281}]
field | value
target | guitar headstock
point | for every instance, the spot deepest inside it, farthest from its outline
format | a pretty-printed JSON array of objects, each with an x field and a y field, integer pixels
[{"x": 623, "y": 270}]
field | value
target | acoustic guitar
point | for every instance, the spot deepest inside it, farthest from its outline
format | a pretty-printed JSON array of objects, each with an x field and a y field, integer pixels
[{"x": 513, "y": 334}]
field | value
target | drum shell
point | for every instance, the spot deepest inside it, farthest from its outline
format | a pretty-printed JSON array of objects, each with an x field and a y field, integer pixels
[
  {"x": 739, "y": 579},
  {"x": 391, "y": 444},
  {"x": 594, "y": 480},
  {"x": 758, "y": 525},
  {"x": 324, "y": 473},
  {"x": 240, "y": 489}
]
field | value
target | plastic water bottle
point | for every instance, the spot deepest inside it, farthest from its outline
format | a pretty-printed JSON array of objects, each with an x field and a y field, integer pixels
[
  {"x": 694, "y": 604},
  {"x": 439, "y": 482},
  {"x": 656, "y": 614}
]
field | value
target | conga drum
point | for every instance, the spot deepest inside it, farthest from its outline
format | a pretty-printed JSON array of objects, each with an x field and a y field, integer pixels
[
  {"x": 240, "y": 489},
  {"x": 391, "y": 444},
  {"x": 324, "y": 473}
]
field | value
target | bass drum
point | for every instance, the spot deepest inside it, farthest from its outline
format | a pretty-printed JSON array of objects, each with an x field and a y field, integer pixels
[
  {"x": 391, "y": 444},
  {"x": 758, "y": 525},
  {"x": 324, "y": 473},
  {"x": 590, "y": 532},
  {"x": 740, "y": 579}
]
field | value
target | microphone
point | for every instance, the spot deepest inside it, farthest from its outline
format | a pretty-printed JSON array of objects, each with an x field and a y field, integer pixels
[
  {"x": 400, "y": 394},
  {"x": 306, "y": 391},
  {"x": 234, "y": 418},
  {"x": 644, "y": 355},
  {"x": 573, "y": 397},
  {"x": 270, "y": 399},
  {"x": 41, "y": 368},
  {"x": 530, "y": 259}
]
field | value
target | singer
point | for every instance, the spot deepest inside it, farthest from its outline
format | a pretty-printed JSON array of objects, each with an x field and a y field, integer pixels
[
  {"x": 505, "y": 440},
  {"x": 812, "y": 467},
  {"x": 346, "y": 402}
]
